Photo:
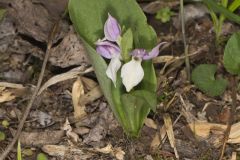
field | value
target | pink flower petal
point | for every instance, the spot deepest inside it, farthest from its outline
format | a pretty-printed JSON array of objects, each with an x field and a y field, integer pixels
[
  {"x": 107, "y": 49},
  {"x": 112, "y": 29}
]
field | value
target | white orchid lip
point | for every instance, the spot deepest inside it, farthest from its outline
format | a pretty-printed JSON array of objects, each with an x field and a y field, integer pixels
[{"x": 132, "y": 73}]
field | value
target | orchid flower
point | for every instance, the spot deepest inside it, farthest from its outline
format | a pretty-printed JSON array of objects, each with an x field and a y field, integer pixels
[
  {"x": 108, "y": 48},
  {"x": 112, "y": 30},
  {"x": 132, "y": 72}
]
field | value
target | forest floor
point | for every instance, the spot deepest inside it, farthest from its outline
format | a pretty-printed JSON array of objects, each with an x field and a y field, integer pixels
[{"x": 198, "y": 121}]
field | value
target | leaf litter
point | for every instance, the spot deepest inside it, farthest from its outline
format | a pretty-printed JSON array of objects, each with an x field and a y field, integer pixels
[{"x": 22, "y": 45}]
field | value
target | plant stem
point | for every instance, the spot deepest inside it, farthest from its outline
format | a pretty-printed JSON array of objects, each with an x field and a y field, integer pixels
[
  {"x": 231, "y": 116},
  {"x": 187, "y": 62},
  {"x": 218, "y": 28}
]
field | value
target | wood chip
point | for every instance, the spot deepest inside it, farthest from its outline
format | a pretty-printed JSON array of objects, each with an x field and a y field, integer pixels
[
  {"x": 77, "y": 92},
  {"x": 40, "y": 138},
  {"x": 203, "y": 130},
  {"x": 6, "y": 95},
  {"x": 91, "y": 96},
  {"x": 118, "y": 153},
  {"x": 169, "y": 128},
  {"x": 150, "y": 123}
]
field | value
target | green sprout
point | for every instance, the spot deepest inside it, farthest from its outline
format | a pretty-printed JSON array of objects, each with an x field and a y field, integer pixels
[
  {"x": 164, "y": 14},
  {"x": 5, "y": 123},
  {"x": 2, "y": 136},
  {"x": 41, "y": 156},
  {"x": 225, "y": 10}
]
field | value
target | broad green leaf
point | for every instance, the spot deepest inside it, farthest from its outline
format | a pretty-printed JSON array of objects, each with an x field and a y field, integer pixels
[
  {"x": 231, "y": 58},
  {"x": 136, "y": 110},
  {"x": 149, "y": 97},
  {"x": 203, "y": 78},
  {"x": 126, "y": 44},
  {"x": 41, "y": 156},
  {"x": 220, "y": 9},
  {"x": 149, "y": 80},
  {"x": 89, "y": 17}
]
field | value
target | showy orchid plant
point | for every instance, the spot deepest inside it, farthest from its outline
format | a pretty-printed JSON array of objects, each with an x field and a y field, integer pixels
[
  {"x": 120, "y": 45},
  {"x": 132, "y": 72}
]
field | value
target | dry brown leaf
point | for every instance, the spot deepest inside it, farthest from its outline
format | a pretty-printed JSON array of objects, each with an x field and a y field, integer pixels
[
  {"x": 169, "y": 128},
  {"x": 106, "y": 150},
  {"x": 70, "y": 134},
  {"x": 11, "y": 85},
  {"x": 91, "y": 96},
  {"x": 164, "y": 59},
  {"x": 116, "y": 152},
  {"x": 77, "y": 92},
  {"x": 155, "y": 142},
  {"x": 65, "y": 76},
  {"x": 150, "y": 123},
  {"x": 234, "y": 156},
  {"x": 89, "y": 83},
  {"x": 203, "y": 129},
  {"x": 62, "y": 151},
  {"x": 119, "y": 153},
  {"x": 40, "y": 138},
  {"x": 6, "y": 95}
]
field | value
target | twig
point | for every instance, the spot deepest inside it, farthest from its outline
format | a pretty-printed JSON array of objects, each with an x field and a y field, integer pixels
[
  {"x": 25, "y": 114},
  {"x": 231, "y": 116},
  {"x": 187, "y": 63}
]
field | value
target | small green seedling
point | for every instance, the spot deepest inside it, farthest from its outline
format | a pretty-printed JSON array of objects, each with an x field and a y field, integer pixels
[
  {"x": 2, "y": 136},
  {"x": 164, "y": 14},
  {"x": 2, "y": 14},
  {"x": 5, "y": 123},
  {"x": 203, "y": 75},
  {"x": 225, "y": 10},
  {"x": 27, "y": 152},
  {"x": 42, "y": 156}
]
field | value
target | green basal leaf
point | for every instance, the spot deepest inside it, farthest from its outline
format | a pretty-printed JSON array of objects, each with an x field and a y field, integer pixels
[
  {"x": 203, "y": 78},
  {"x": 88, "y": 18},
  {"x": 136, "y": 110},
  {"x": 231, "y": 58},
  {"x": 220, "y": 9},
  {"x": 149, "y": 97},
  {"x": 234, "y": 5},
  {"x": 126, "y": 44}
]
